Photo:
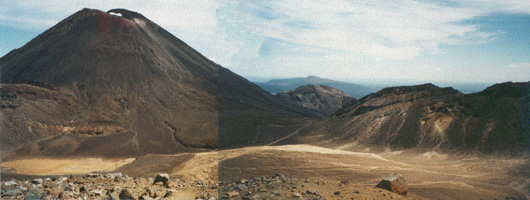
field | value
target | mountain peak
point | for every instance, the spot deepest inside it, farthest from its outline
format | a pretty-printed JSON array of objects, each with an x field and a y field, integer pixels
[
  {"x": 509, "y": 89},
  {"x": 66, "y": 51},
  {"x": 117, "y": 84},
  {"x": 126, "y": 13}
]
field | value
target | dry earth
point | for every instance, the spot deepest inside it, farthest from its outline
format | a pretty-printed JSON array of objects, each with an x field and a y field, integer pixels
[
  {"x": 429, "y": 175},
  {"x": 43, "y": 166}
]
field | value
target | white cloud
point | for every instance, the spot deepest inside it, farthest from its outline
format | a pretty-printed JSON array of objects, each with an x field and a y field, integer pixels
[
  {"x": 519, "y": 66},
  {"x": 349, "y": 34},
  {"x": 381, "y": 29}
]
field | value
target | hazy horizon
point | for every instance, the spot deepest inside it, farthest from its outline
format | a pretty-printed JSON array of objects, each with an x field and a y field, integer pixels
[
  {"x": 423, "y": 41},
  {"x": 377, "y": 84}
]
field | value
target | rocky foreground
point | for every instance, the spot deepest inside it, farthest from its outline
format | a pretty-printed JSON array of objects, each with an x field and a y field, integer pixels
[
  {"x": 283, "y": 187},
  {"x": 119, "y": 186},
  {"x": 109, "y": 186}
]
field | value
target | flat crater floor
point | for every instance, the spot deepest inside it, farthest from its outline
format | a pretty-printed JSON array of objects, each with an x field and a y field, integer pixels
[{"x": 429, "y": 175}]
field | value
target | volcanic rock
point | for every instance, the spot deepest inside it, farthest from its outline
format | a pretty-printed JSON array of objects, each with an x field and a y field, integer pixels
[
  {"x": 126, "y": 194},
  {"x": 395, "y": 183},
  {"x": 37, "y": 181},
  {"x": 163, "y": 178},
  {"x": 114, "y": 175}
]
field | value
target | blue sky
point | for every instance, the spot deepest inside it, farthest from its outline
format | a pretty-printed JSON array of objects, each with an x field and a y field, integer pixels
[{"x": 429, "y": 41}]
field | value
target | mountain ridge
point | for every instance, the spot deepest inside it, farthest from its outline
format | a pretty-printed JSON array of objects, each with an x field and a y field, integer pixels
[
  {"x": 431, "y": 118},
  {"x": 275, "y": 86}
]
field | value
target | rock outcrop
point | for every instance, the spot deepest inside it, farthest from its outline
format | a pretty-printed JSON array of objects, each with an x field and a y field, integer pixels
[{"x": 395, "y": 183}]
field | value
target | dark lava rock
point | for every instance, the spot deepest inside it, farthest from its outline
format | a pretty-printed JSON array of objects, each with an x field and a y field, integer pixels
[
  {"x": 313, "y": 192},
  {"x": 37, "y": 181},
  {"x": 164, "y": 178},
  {"x": 126, "y": 194}
]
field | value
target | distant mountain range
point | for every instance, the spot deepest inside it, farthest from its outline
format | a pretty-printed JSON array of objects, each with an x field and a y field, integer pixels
[{"x": 275, "y": 86}]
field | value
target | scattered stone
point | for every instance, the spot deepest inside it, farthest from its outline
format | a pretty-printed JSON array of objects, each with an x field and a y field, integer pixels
[
  {"x": 110, "y": 196},
  {"x": 246, "y": 198},
  {"x": 232, "y": 194},
  {"x": 164, "y": 178},
  {"x": 31, "y": 196},
  {"x": 13, "y": 193},
  {"x": 313, "y": 192},
  {"x": 114, "y": 175},
  {"x": 63, "y": 195},
  {"x": 97, "y": 192},
  {"x": 297, "y": 195},
  {"x": 10, "y": 183},
  {"x": 92, "y": 175},
  {"x": 395, "y": 183},
  {"x": 257, "y": 197},
  {"x": 241, "y": 187},
  {"x": 68, "y": 188},
  {"x": 37, "y": 181},
  {"x": 126, "y": 194},
  {"x": 145, "y": 197}
]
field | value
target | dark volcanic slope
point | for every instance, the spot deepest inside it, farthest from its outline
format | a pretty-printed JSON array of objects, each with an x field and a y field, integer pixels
[
  {"x": 100, "y": 84},
  {"x": 324, "y": 99},
  {"x": 282, "y": 85},
  {"x": 496, "y": 119}
]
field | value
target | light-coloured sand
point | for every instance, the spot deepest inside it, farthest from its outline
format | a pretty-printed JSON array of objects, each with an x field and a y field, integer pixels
[
  {"x": 203, "y": 166},
  {"x": 430, "y": 175},
  {"x": 44, "y": 166}
]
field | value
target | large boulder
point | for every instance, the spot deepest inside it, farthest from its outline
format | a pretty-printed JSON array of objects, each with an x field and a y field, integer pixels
[
  {"x": 114, "y": 175},
  {"x": 395, "y": 183},
  {"x": 164, "y": 178},
  {"x": 126, "y": 194}
]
